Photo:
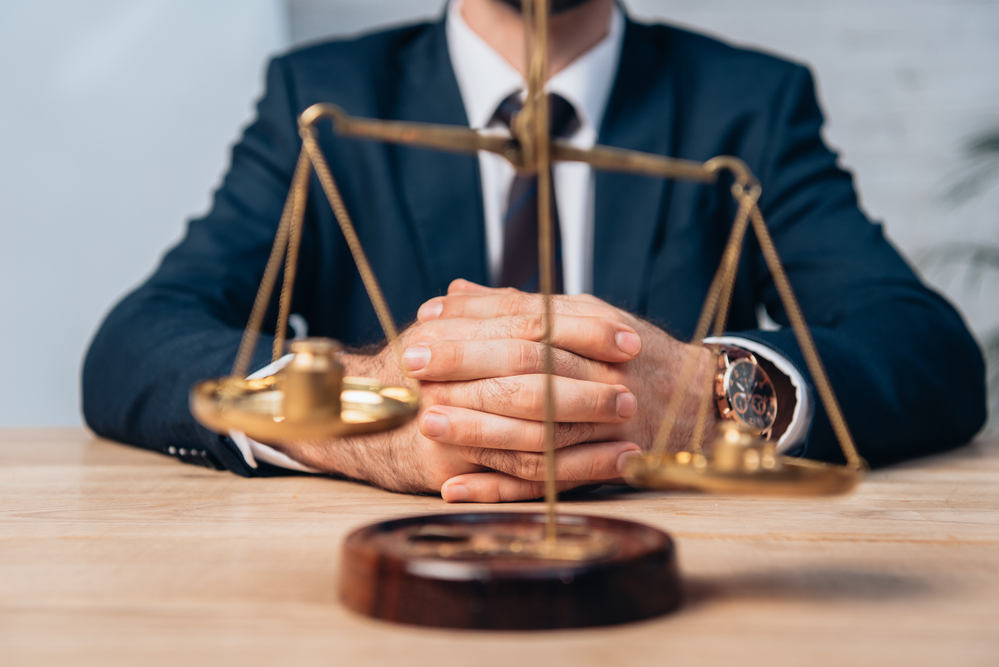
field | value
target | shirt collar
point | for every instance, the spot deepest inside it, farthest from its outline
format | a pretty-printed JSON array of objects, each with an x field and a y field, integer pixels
[{"x": 485, "y": 78}]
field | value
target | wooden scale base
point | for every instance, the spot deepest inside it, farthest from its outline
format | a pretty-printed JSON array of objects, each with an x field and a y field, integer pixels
[{"x": 497, "y": 571}]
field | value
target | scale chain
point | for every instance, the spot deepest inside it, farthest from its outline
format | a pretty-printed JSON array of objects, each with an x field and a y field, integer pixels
[
  {"x": 806, "y": 342},
  {"x": 719, "y": 292},
  {"x": 294, "y": 207},
  {"x": 368, "y": 278}
]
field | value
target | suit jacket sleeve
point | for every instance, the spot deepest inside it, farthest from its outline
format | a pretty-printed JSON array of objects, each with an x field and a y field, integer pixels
[
  {"x": 907, "y": 372},
  {"x": 184, "y": 324}
]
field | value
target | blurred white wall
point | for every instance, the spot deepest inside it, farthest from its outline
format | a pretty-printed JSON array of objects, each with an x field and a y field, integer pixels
[
  {"x": 317, "y": 19},
  {"x": 115, "y": 121},
  {"x": 91, "y": 195},
  {"x": 904, "y": 84}
]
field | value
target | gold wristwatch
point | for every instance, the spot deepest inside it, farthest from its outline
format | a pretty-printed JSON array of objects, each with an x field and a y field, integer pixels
[{"x": 744, "y": 392}]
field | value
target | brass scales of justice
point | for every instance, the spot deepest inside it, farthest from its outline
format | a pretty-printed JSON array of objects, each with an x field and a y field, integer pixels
[{"x": 511, "y": 570}]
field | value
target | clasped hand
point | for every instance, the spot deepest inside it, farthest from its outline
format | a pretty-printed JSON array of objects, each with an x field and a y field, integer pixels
[{"x": 479, "y": 437}]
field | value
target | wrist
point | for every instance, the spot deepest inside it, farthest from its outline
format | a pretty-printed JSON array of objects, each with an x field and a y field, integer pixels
[
  {"x": 696, "y": 398},
  {"x": 704, "y": 382}
]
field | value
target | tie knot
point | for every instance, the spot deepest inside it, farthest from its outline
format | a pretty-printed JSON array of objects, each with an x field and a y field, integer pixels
[{"x": 564, "y": 121}]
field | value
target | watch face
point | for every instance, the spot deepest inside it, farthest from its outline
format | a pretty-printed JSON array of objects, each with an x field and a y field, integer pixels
[{"x": 751, "y": 395}]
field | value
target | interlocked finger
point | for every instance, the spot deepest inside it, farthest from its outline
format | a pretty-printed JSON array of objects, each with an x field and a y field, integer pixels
[
  {"x": 457, "y": 360},
  {"x": 600, "y": 338},
  {"x": 591, "y": 462},
  {"x": 505, "y": 304},
  {"x": 495, "y": 487},
  {"x": 467, "y": 299},
  {"x": 471, "y": 428},
  {"x": 523, "y": 397}
]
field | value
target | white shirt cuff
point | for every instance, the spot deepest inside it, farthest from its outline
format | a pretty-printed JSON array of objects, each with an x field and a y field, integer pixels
[
  {"x": 252, "y": 450},
  {"x": 795, "y": 434},
  {"x": 801, "y": 419}
]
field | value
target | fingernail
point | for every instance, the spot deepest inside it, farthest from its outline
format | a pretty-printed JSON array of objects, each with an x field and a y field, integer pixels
[
  {"x": 416, "y": 358},
  {"x": 626, "y": 404},
  {"x": 622, "y": 460},
  {"x": 454, "y": 494},
  {"x": 435, "y": 425},
  {"x": 628, "y": 342},
  {"x": 431, "y": 310}
]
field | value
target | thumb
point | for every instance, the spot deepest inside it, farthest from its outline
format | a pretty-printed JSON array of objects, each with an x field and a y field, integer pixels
[{"x": 460, "y": 285}]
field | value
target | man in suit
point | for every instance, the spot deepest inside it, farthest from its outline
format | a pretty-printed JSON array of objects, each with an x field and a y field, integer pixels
[{"x": 637, "y": 254}]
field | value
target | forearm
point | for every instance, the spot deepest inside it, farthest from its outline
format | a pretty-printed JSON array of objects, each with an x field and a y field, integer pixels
[
  {"x": 140, "y": 368},
  {"x": 908, "y": 375}
]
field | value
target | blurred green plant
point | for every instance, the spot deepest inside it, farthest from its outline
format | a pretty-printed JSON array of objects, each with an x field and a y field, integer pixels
[
  {"x": 978, "y": 173},
  {"x": 980, "y": 167}
]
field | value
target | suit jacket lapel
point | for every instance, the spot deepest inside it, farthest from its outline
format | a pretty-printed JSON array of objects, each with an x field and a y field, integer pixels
[
  {"x": 442, "y": 191},
  {"x": 628, "y": 208}
]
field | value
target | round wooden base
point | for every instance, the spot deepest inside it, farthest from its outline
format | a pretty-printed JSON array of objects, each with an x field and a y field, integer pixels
[{"x": 497, "y": 571}]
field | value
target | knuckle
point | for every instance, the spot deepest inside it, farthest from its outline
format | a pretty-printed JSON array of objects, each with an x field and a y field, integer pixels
[
  {"x": 536, "y": 440},
  {"x": 564, "y": 304},
  {"x": 452, "y": 306},
  {"x": 491, "y": 494},
  {"x": 575, "y": 305},
  {"x": 495, "y": 395},
  {"x": 594, "y": 469},
  {"x": 608, "y": 326},
  {"x": 474, "y": 432},
  {"x": 454, "y": 356},
  {"x": 440, "y": 363},
  {"x": 605, "y": 401},
  {"x": 529, "y": 358},
  {"x": 530, "y": 466},
  {"x": 427, "y": 332},
  {"x": 535, "y": 490},
  {"x": 611, "y": 373},
  {"x": 529, "y": 327},
  {"x": 431, "y": 393},
  {"x": 531, "y": 398},
  {"x": 509, "y": 304}
]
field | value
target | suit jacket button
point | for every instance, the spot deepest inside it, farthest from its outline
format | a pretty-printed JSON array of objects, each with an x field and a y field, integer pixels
[
  {"x": 172, "y": 451},
  {"x": 183, "y": 452}
]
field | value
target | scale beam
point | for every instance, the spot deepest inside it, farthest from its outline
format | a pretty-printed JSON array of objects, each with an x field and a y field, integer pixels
[{"x": 452, "y": 139}]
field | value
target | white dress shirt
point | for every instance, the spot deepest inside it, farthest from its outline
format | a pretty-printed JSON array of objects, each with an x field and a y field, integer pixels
[{"x": 485, "y": 79}]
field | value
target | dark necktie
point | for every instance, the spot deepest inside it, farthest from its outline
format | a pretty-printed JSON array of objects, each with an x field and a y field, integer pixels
[{"x": 520, "y": 225}]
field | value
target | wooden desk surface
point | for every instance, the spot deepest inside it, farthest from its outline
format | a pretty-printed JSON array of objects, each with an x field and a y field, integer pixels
[{"x": 112, "y": 555}]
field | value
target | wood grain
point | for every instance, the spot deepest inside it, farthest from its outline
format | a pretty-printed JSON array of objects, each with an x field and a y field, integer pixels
[
  {"x": 111, "y": 555},
  {"x": 394, "y": 570}
]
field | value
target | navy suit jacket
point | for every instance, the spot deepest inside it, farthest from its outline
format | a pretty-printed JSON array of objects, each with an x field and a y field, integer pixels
[{"x": 909, "y": 375}]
